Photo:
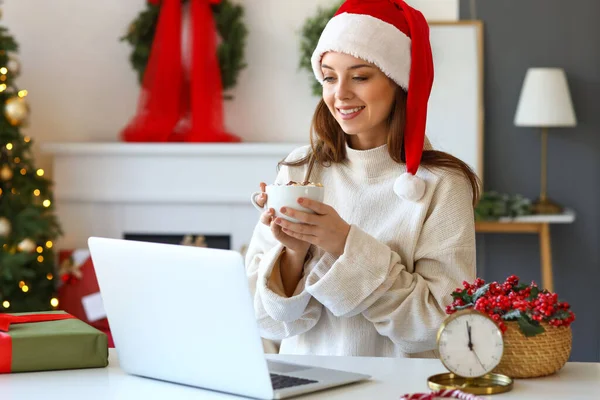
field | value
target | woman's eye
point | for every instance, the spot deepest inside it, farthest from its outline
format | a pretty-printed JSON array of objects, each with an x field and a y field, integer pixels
[
  {"x": 328, "y": 79},
  {"x": 359, "y": 78}
]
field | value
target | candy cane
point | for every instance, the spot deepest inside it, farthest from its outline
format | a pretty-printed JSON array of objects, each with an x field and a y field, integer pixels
[{"x": 457, "y": 394}]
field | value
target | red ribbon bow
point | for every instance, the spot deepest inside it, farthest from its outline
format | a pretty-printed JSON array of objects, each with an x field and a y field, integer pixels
[
  {"x": 168, "y": 98},
  {"x": 5, "y": 339}
]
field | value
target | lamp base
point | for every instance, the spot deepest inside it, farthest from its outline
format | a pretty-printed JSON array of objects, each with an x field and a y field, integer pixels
[{"x": 546, "y": 206}]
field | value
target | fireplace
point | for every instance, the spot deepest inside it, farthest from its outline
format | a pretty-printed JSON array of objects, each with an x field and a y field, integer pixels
[
  {"x": 199, "y": 240},
  {"x": 161, "y": 192}
]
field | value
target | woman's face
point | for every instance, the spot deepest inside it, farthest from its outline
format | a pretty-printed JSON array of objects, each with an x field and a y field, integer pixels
[{"x": 359, "y": 96}]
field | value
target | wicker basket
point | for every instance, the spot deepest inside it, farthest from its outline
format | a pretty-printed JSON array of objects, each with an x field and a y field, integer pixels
[{"x": 539, "y": 355}]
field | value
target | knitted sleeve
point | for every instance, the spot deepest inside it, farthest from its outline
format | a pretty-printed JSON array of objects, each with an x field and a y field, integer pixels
[
  {"x": 405, "y": 305},
  {"x": 278, "y": 316}
]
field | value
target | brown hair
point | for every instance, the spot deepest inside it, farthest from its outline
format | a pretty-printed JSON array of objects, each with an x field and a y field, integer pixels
[{"x": 328, "y": 144}]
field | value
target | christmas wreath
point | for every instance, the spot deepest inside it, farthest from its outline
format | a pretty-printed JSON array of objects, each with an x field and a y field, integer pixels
[
  {"x": 311, "y": 32},
  {"x": 230, "y": 27}
]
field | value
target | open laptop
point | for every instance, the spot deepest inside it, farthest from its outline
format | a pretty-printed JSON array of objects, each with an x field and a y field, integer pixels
[{"x": 185, "y": 314}]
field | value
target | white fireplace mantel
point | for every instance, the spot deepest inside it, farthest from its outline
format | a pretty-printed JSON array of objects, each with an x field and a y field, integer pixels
[{"x": 109, "y": 189}]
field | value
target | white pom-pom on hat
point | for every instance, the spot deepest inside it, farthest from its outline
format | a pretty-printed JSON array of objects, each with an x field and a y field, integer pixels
[{"x": 409, "y": 187}]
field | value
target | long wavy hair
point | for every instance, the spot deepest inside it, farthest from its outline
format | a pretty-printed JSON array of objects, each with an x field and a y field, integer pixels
[{"x": 328, "y": 144}]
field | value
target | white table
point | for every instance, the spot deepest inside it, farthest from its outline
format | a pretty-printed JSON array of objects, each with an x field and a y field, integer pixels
[{"x": 392, "y": 377}]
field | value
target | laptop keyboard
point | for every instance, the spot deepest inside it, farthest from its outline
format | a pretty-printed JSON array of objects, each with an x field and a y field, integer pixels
[{"x": 284, "y": 381}]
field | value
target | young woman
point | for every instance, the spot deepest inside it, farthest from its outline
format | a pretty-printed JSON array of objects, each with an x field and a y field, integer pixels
[{"x": 370, "y": 273}]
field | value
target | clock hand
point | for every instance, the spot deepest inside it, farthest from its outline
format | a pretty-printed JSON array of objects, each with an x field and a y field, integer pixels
[
  {"x": 478, "y": 360},
  {"x": 470, "y": 344}
]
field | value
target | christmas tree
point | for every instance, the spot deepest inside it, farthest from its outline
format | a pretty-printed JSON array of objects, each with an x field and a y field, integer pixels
[{"x": 27, "y": 223}]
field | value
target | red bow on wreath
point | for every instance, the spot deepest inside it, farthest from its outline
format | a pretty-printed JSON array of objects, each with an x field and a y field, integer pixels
[{"x": 167, "y": 97}]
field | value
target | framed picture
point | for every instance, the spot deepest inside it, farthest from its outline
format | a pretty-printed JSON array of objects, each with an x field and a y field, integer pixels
[{"x": 455, "y": 115}]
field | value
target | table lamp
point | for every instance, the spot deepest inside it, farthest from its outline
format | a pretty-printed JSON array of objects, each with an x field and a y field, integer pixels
[{"x": 545, "y": 102}]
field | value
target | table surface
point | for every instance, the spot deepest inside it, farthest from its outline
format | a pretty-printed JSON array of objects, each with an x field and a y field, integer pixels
[{"x": 391, "y": 378}]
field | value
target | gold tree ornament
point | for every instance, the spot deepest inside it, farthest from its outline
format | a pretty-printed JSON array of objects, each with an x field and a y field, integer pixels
[
  {"x": 27, "y": 245},
  {"x": 5, "y": 227},
  {"x": 14, "y": 66},
  {"x": 16, "y": 110},
  {"x": 6, "y": 173}
]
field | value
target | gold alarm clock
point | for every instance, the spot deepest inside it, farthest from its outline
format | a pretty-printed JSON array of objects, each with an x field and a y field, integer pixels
[{"x": 470, "y": 346}]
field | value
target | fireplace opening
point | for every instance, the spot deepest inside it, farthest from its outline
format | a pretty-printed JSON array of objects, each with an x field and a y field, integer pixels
[{"x": 199, "y": 240}]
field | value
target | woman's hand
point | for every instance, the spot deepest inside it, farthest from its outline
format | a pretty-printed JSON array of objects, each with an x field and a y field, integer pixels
[
  {"x": 295, "y": 246},
  {"x": 325, "y": 229}
]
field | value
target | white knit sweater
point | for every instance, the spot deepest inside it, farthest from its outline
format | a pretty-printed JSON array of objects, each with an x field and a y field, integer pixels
[{"x": 386, "y": 294}]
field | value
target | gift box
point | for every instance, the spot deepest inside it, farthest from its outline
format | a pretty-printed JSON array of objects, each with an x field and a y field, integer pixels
[
  {"x": 52, "y": 340},
  {"x": 78, "y": 292}
]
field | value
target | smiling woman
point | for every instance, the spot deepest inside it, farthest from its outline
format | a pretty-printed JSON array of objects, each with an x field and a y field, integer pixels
[
  {"x": 360, "y": 97},
  {"x": 368, "y": 270}
]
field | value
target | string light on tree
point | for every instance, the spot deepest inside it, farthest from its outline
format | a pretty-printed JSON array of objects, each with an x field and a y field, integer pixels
[{"x": 6, "y": 173}]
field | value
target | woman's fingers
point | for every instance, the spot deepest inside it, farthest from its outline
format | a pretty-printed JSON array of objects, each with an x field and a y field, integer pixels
[
  {"x": 267, "y": 216},
  {"x": 261, "y": 199}
]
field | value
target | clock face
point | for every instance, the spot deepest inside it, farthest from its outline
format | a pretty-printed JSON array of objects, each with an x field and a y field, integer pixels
[{"x": 470, "y": 344}]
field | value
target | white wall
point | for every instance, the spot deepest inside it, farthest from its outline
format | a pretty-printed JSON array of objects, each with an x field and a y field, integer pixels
[{"x": 82, "y": 88}]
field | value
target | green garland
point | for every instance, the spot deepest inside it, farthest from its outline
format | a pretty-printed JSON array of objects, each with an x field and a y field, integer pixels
[
  {"x": 311, "y": 32},
  {"x": 230, "y": 26},
  {"x": 494, "y": 205}
]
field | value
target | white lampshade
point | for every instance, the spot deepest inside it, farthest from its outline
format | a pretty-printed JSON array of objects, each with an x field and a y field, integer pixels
[{"x": 545, "y": 100}]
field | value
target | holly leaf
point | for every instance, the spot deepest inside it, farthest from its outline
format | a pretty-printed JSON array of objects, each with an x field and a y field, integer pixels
[
  {"x": 529, "y": 327},
  {"x": 480, "y": 292},
  {"x": 534, "y": 293},
  {"x": 463, "y": 295},
  {"x": 463, "y": 307},
  {"x": 512, "y": 315},
  {"x": 561, "y": 314},
  {"x": 519, "y": 287}
]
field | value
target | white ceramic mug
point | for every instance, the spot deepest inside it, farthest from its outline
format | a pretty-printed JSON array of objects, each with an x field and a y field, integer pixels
[{"x": 279, "y": 196}]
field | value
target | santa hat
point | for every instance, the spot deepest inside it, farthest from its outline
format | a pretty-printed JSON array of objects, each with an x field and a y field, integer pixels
[{"x": 395, "y": 37}]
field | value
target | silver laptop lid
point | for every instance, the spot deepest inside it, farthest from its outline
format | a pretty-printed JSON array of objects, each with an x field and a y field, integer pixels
[{"x": 182, "y": 314}]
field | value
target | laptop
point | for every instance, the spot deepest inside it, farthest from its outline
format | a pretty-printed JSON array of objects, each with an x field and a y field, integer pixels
[{"x": 185, "y": 315}]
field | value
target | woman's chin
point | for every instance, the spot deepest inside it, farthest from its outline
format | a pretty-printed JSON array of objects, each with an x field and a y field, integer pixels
[{"x": 349, "y": 128}]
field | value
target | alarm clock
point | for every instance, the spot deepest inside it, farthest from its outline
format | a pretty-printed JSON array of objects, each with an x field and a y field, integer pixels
[{"x": 470, "y": 346}]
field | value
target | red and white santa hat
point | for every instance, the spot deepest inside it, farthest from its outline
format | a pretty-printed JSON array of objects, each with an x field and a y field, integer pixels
[{"x": 395, "y": 37}]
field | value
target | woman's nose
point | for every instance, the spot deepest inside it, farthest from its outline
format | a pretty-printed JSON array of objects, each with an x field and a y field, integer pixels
[{"x": 343, "y": 91}]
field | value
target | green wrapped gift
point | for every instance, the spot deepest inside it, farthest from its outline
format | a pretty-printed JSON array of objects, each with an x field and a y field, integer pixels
[{"x": 50, "y": 340}]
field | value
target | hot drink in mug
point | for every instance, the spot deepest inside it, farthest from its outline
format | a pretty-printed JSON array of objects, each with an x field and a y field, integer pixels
[{"x": 287, "y": 195}]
